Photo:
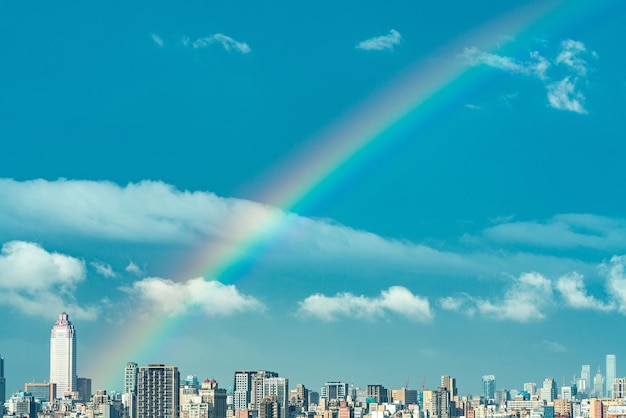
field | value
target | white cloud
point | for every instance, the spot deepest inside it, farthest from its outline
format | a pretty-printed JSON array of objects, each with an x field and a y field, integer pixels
[
  {"x": 103, "y": 269},
  {"x": 228, "y": 43},
  {"x": 525, "y": 300},
  {"x": 37, "y": 282},
  {"x": 537, "y": 66},
  {"x": 570, "y": 56},
  {"x": 379, "y": 43},
  {"x": 473, "y": 106},
  {"x": 575, "y": 230},
  {"x": 397, "y": 299},
  {"x": 157, "y": 39},
  {"x": 616, "y": 281},
  {"x": 133, "y": 268},
  {"x": 563, "y": 95},
  {"x": 176, "y": 298},
  {"x": 573, "y": 291}
]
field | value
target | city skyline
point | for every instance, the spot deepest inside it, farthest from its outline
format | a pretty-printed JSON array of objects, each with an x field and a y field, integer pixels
[{"x": 334, "y": 191}]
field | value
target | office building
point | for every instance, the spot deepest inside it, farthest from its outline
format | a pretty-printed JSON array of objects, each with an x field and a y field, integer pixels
[
  {"x": 548, "y": 391},
  {"x": 83, "y": 386},
  {"x": 611, "y": 365},
  {"x": 42, "y": 392},
  {"x": 277, "y": 389},
  {"x": 3, "y": 386},
  {"x": 215, "y": 397},
  {"x": 489, "y": 387},
  {"x": 63, "y": 356},
  {"x": 158, "y": 391},
  {"x": 334, "y": 391},
  {"x": 378, "y": 392},
  {"x": 618, "y": 389},
  {"x": 584, "y": 384},
  {"x": 598, "y": 385}
]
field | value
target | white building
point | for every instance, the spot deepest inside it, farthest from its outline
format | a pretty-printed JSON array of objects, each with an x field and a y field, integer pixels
[
  {"x": 63, "y": 355},
  {"x": 611, "y": 363}
]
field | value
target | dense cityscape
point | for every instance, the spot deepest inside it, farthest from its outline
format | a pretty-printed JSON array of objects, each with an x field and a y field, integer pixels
[{"x": 158, "y": 391}]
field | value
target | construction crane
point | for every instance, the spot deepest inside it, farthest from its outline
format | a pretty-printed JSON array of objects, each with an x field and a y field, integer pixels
[
  {"x": 406, "y": 384},
  {"x": 423, "y": 383}
]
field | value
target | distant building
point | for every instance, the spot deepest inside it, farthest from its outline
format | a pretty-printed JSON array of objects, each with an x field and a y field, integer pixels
[
  {"x": 334, "y": 391},
  {"x": 548, "y": 391},
  {"x": 598, "y": 385},
  {"x": 611, "y": 364},
  {"x": 3, "y": 386},
  {"x": 378, "y": 392},
  {"x": 63, "y": 355},
  {"x": 158, "y": 391},
  {"x": 489, "y": 387},
  {"x": 43, "y": 392},
  {"x": 214, "y": 397},
  {"x": 129, "y": 394},
  {"x": 83, "y": 387}
]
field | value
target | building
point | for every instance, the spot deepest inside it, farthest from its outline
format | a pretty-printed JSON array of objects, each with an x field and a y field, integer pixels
[
  {"x": 334, "y": 391},
  {"x": 584, "y": 384},
  {"x": 378, "y": 392},
  {"x": 20, "y": 404},
  {"x": 214, "y": 397},
  {"x": 549, "y": 391},
  {"x": 489, "y": 387},
  {"x": 598, "y": 385},
  {"x": 129, "y": 394},
  {"x": 158, "y": 391},
  {"x": 3, "y": 386},
  {"x": 277, "y": 388},
  {"x": 63, "y": 355},
  {"x": 42, "y": 392},
  {"x": 404, "y": 396},
  {"x": 611, "y": 365},
  {"x": 83, "y": 386},
  {"x": 619, "y": 388}
]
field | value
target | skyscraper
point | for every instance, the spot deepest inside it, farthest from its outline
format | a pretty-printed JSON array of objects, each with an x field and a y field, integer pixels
[
  {"x": 584, "y": 384},
  {"x": 158, "y": 391},
  {"x": 63, "y": 355},
  {"x": 489, "y": 387},
  {"x": 129, "y": 395},
  {"x": 611, "y": 363},
  {"x": 3, "y": 386}
]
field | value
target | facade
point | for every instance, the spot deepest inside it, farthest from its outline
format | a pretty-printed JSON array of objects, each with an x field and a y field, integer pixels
[
  {"x": 63, "y": 355},
  {"x": 619, "y": 387},
  {"x": 158, "y": 391},
  {"x": 489, "y": 387},
  {"x": 214, "y": 397},
  {"x": 277, "y": 388},
  {"x": 611, "y": 364}
]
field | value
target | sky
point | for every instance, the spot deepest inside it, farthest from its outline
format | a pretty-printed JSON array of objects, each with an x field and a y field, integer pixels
[{"x": 369, "y": 192}]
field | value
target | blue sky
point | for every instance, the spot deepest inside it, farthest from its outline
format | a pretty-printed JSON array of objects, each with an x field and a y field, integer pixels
[{"x": 482, "y": 232}]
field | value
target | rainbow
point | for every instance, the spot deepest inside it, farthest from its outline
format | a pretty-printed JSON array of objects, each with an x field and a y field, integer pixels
[{"x": 413, "y": 99}]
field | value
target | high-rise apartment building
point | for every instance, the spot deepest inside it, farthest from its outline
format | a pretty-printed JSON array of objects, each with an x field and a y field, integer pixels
[
  {"x": 611, "y": 365},
  {"x": 378, "y": 392},
  {"x": 489, "y": 387},
  {"x": 214, "y": 397},
  {"x": 63, "y": 355},
  {"x": 129, "y": 394},
  {"x": 548, "y": 391},
  {"x": 158, "y": 391}
]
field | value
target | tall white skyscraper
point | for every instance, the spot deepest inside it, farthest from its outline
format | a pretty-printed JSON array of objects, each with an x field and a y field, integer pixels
[
  {"x": 63, "y": 355},
  {"x": 611, "y": 364},
  {"x": 585, "y": 377}
]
